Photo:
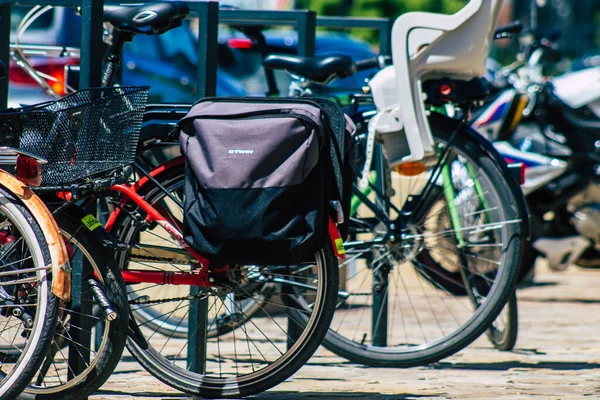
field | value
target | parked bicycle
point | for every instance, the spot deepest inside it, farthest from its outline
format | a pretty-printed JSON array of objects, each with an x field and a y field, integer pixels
[{"x": 34, "y": 275}]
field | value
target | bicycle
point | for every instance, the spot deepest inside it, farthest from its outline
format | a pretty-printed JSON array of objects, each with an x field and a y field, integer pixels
[
  {"x": 503, "y": 333},
  {"x": 176, "y": 326},
  {"x": 29, "y": 309},
  {"x": 64, "y": 133}
]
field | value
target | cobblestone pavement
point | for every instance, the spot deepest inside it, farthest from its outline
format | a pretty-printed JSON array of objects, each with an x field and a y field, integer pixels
[{"x": 557, "y": 357}]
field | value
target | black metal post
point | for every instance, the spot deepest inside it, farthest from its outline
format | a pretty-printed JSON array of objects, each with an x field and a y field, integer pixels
[
  {"x": 5, "y": 11},
  {"x": 92, "y": 46},
  {"x": 208, "y": 15},
  {"x": 81, "y": 307},
  {"x": 379, "y": 320},
  {"x": 385, "y": 38},
  {"x": 206, "y": 75},
  {"x": 382, "y": 25},
  {"x": 293, "y": 332},
  {"x": 307, "y": 25},
  {"x": 91, "y": 71}
]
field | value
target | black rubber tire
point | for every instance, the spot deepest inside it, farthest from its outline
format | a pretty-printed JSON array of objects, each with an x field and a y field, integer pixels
[
  {"x": 69, "y": 221},
  {"x": 49, "y": 323},
  {"x": 507, "y": 339},
  {"x": 486, "y": 314}
]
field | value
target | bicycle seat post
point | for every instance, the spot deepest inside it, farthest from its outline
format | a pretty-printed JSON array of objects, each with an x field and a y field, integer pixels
[{"x": 113, "y": 55}]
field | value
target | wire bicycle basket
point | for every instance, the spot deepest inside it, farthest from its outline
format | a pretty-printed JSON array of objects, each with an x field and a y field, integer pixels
[{"x": 81, "y": 135}]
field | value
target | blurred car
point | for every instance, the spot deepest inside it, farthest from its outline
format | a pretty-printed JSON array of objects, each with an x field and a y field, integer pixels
[
  {"x": 168, "y": 62},
  {"x": 48, "y": 29}
]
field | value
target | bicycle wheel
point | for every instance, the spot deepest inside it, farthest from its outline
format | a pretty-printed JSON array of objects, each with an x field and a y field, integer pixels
[
  {"x": 504, "y": 331},
  {"x": 424, "y": 289},
  {"x": 75, "y": 368},
  {"x": 248, "y": 352},
  {"x": 28, "y": 309}
]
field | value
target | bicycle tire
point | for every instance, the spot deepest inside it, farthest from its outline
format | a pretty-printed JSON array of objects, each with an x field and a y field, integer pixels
[
  {"x": 107, "y": 351},
  {"x": 31, "y": 353},
  {"x": 274, "y": 371},
  {"x": 505, "y": 338},
  {"x": 480, "y": 321}
]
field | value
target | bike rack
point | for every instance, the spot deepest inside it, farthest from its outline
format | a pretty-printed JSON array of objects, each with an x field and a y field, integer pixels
[
  {"x": 383, "y": 25},
  {"x": 305, "y": 22}
]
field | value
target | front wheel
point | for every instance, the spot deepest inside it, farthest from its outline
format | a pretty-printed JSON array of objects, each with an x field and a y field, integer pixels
[{"x": 28, "y": 309}]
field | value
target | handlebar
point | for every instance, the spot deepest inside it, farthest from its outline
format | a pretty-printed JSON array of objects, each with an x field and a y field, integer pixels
[{"x": 376, "y": 62}]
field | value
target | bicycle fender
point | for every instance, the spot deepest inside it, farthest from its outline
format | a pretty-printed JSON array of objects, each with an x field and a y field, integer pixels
[
  {"x": 61, "y": 271},
  {"x": 442, "y": 122}
]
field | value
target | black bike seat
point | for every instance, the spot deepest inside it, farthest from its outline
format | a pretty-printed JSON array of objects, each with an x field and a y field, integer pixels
[
  {"x": 321, "y": 70},
  {"x": 147, "y": 19}
]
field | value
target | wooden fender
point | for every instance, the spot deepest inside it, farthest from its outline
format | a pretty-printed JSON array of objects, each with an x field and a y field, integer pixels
[{"x": 61, "y": 271}]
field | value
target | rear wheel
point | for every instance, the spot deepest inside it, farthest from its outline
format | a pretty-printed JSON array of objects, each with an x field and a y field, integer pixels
[
  {"x": 504, "y": 331},
  {"x": 248, "y": 347},
  {"x": 157, "y": 250}
]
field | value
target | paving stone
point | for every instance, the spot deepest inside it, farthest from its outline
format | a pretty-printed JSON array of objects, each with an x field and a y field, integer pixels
[{"x": 557, "y": 357}]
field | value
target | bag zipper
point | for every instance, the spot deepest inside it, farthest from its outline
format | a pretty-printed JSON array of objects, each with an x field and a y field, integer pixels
[{"x": 281, "y": 113}]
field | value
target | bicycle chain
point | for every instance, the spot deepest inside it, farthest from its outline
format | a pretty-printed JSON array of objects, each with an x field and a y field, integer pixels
[{"x": 139, "y": 301}]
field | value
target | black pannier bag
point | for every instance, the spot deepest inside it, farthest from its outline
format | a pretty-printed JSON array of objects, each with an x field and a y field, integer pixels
[{"x": 260, "y": 177}]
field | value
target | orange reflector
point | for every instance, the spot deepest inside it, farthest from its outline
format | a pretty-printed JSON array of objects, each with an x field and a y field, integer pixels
[
  {"x": 411, "y": 168},
  {"x": 29, "y": 171}
]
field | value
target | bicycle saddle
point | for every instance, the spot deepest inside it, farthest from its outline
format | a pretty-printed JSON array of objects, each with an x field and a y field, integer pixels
[
  {"x": 148, "y": 19},
  {"x": 321, "y": 70}
]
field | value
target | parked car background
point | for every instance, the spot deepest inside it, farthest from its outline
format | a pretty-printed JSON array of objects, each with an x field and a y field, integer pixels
[{"x": 168, "y": 62}]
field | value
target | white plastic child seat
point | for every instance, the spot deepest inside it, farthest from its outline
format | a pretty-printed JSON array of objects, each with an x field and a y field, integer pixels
[{"x": 430, "y": 46}]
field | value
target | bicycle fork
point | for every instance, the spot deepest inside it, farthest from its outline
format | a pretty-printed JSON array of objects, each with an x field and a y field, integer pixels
[{"x": 455, "y": 219}]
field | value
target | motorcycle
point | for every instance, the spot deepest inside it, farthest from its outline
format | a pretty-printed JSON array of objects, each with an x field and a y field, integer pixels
[{"x": 552, "y": 127}]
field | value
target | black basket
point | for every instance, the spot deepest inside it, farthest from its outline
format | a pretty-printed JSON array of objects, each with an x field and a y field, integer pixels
[{"x": 81, "y": 135}]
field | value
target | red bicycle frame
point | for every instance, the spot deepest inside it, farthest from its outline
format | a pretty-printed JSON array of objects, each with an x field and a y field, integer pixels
[{"x": 199, "y": 276}]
